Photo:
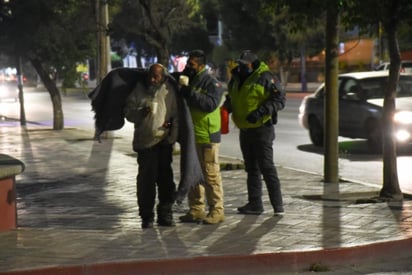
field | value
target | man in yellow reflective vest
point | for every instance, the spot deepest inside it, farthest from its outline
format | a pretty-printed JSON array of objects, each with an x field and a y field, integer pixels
[
  {"x": 203, "y": 94},
  {"x": 255, "y": 96}
]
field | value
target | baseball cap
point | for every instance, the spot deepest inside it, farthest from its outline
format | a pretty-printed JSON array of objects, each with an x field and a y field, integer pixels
[{"x": 247, "y": 57}]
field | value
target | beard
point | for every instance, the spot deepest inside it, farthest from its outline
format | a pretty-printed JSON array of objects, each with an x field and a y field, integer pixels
[{"x": 153, "y": 88}]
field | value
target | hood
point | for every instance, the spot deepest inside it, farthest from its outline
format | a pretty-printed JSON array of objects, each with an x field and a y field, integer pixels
[{"x": 402, "y": 103}]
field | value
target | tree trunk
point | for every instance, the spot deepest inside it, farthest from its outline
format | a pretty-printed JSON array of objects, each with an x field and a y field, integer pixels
[
  {"x": 331, "y": 111},
  {"x": 390, "y": 188},
  {"x": 21, "y": 94},
  {"x": 303, "y": 79},
  {"x": 58, "y": 120},
  {"x": 163, "y": 56}
]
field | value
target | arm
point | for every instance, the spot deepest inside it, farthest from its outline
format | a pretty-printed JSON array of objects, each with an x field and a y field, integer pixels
[
  {"x": 276, "y": 100},
  {"x": 208, "y": 101},
  {"x": 227, "y": 104},
  {"x": 274, "y": 103}
]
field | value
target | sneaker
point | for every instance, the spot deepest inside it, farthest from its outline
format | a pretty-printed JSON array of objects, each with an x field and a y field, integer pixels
[
  {"x": 279, "y": 213},
  {"x": 191, "y": 218},
  {"x": 249, "y": 209},
  {"x": 147, "y": 224},
  {"x": 213, "y": 218}
]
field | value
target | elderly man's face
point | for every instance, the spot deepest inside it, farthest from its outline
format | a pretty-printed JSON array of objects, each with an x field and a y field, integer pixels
[{"x": 156, "y": 75}]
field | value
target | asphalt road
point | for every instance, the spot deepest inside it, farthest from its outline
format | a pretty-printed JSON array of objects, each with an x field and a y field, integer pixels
[{"x": 293, "y": 149}]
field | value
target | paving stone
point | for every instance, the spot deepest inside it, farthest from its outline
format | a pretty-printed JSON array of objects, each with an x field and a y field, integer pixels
[{"x": 77, "y": 205}]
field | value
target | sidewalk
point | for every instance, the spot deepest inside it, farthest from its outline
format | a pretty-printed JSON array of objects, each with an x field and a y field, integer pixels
[{"x": 77, "y": 214}]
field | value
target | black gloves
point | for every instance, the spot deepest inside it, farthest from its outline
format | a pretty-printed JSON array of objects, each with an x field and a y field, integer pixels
[{"x": 257, "y": 114}]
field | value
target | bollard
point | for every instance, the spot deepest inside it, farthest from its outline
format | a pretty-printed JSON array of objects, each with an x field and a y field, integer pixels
[{"x": 9, "y": 168}]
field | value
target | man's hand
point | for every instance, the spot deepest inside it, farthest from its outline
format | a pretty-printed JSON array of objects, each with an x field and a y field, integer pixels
[
  {"x": 257, "y": 114},
  {"x": 145, "y": 111}
]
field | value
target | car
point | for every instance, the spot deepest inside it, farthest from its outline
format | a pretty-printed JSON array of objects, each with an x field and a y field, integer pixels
[
  {"x": 406, "y": 66},
  {"x": 8, "y": 91},
  {"x": 361, "y": 96}
]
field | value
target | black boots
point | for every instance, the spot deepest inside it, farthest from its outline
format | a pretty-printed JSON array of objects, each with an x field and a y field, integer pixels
[{"x": 165, "y": 215}]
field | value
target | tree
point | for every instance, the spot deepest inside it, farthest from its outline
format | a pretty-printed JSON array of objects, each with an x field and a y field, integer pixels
[
  {"x": 49, "y": 34},
  {"x": 245, "y": 27},
  {"x": 160, "y": 23},
  {"x": 390, "y": 188},
  {"x": 274, "y": 28},
  {"x": 331, "y": 167},
  {"x": 296, "y": 36},
  {"x": 304, "y": 15},
  {"x": 390, "y": 14},
  {"x": 363, "y": 14}
]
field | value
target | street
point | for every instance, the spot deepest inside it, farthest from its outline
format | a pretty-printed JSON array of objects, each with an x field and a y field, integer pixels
[
  {"x": 292, "y": 145},
  {"x": 293, "y": 149}
]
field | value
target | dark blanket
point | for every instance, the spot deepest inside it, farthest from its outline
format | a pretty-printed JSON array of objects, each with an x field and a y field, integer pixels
[{"x": 108, "y": 100}]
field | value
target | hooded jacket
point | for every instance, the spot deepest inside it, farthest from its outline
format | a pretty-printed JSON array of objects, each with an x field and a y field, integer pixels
[
  {"x": 204, "y": 100},
  {"x": 155, "y": 126},
  {"x": 260, "y": 89}
]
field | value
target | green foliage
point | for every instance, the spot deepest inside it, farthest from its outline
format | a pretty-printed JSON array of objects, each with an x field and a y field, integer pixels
[
  {"x": 209, "y": 10},
  {"x": 70, "y": 78},
  {"x": 221, "y": 54},
  {"x": 59, "y": 32},
  {"x": 245, "y": 26},
  {"x": 163, "y": 25},
  {"x": 370, "y": 12},
  {"x": 283, "y": 26},
  {"x": 405, "y": 35},
  {"x": 193, "y": 38},
  {"x": 301, "y": 14}
]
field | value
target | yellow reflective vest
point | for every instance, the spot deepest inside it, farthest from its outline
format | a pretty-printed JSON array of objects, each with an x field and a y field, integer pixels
[{"x": 248, "y": 97}]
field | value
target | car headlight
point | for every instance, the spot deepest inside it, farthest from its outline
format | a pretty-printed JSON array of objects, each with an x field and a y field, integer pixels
[
  {"x": 402, "y": 135},
  {"x": 403, "y": 117}
]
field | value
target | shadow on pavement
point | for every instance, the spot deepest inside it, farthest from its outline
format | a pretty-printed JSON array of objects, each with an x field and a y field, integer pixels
[{"x": 79, "y": 196}]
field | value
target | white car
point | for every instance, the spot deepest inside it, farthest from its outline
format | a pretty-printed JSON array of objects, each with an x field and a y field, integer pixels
[
  {"x": 361, "y": 98},
  {"x": 8, "y": 91},
  {"x": 406, "y": 66}
]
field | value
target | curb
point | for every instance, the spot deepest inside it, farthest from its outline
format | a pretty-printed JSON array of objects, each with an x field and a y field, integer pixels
[{"x": 240, "y": 264}]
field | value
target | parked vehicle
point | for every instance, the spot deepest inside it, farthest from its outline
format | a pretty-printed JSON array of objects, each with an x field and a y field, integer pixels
[
  {"x": 361, "y": 97},
  {"x": 8, "y": 91},
  {"x": 406, "y": 66}
]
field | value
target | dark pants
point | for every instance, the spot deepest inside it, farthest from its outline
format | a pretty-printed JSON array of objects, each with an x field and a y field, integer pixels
[
  {"x": 155, "y": 168},
  {"x": 257, "y": 149}
]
